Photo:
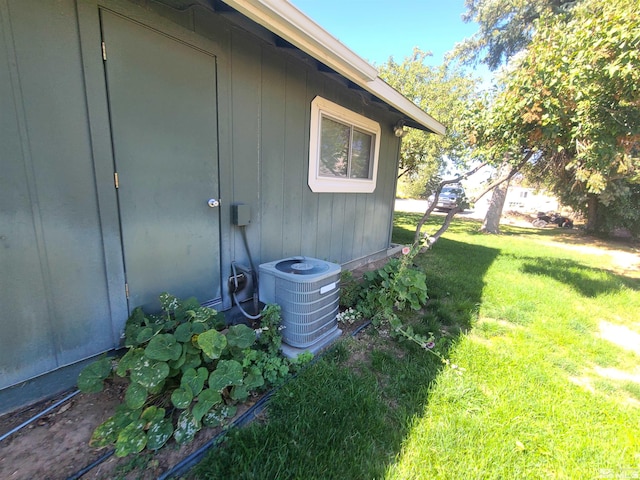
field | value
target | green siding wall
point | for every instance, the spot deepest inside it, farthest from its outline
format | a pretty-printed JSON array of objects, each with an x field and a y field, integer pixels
[
  {"x": 53, "y": 271},
  {"x": 293, "y": 220},
  {"x": 61, "y": 287}
]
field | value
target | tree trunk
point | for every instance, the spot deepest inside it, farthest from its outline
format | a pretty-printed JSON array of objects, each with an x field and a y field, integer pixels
[
  {"x": 491, "y": 223},
  {"x": 592, "y": 213}
]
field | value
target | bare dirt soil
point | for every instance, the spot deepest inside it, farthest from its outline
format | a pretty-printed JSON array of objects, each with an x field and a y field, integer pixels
[{"x": 56, "y": 445}]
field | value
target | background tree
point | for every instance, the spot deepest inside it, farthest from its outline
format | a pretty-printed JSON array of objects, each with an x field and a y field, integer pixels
[
  {"x": 573, "y": 97},
  {"x": 445, "y": 92},
  {"x": 505, "y": 28},
  {"x": 491, "y": 222}
]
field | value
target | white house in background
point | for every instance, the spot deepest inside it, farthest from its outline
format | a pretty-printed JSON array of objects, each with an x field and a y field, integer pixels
[{"x": 529, "y": 200}]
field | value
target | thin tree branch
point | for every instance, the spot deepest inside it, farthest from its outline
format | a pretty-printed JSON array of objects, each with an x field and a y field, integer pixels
[
  {"x": 447, "y": 221},
  {"x": 436, "y": 195},
  {"x": 513, "y": 171},
  {"x": 404, "y": 172}
]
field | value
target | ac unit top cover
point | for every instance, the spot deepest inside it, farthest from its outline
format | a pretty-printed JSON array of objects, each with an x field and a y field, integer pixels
[{"x": 301, "y": 269}]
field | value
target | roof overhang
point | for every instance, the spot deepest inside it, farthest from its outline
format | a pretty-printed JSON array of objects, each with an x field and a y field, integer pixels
[{"x": 286, "y": 21}]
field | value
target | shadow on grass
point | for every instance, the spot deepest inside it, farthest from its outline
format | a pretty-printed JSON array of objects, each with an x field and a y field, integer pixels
[
  {"x": 347, "y": 415},
  {"x": 589, "y": 282}
]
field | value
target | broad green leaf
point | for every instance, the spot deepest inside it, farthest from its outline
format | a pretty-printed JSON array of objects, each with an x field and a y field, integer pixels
[
  {"x": 205, "y": 401},
  {"x": 132, "y": 357},
  {"x": 239, "y": 393},
  {"x": 159, "y": 432},
  {"x": 167, "y": 326},
  {"x": 105, "y": 434},
  {"x": 163, "y": 347},
  {"x": 191, "y": 361},
  {"x": 156, "y": 389},
  {"x": 183, "y": 332},
  {"x": 212, "y": 343},
  {"x": 183, "y": 313},
  {"x": 131, "y": 333},
  {"x": 254, "y": 379},
  {"x": 218, "y": 414},
  {"x": 159, "y": 429},
  {"x": 195, "y": 379},
  {"x": 149, "y": 374},
  {"x": 131, "y": 439},
  {"x": 152, "y": 413},
  {"x": 201, "y": 314},
  {"x": 192, "y": 347},
  {"x": 135, "y": 396},
  {"x": 182, "y": 397},
  {"x": 168, "y": 302},
  {"x": 91, "y": 378},
  {"x": 124, "y": 415},
  {"x": 241, "y": 336},
  {"x": 212, "y": 418},
  {"x": 144, "y": 335},
  {"x": 198, "y": 328},
  {"x": 135, "y": 324},
  {"x": 186, "y": 428},
  {"x": 227, "y": 372},
  {"x": 177, "y": 364},
  {"x": 137, "y": 317}
]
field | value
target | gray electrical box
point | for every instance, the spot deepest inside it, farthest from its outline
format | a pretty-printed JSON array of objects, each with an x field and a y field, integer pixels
[{"x": 240, "y": 214}]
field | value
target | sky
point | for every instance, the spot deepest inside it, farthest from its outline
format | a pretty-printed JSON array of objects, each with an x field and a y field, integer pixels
[{"x": 376, "y": 29}]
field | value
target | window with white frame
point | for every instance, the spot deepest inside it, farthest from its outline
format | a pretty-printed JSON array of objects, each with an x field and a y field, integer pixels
[{"x": 343, "y": 149}]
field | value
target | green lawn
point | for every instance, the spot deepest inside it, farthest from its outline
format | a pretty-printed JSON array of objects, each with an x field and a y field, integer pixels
[{"x": 542, "y": 379}]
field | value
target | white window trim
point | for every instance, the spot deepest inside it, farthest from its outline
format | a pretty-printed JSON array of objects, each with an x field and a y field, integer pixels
[{"x": 323, "y": 107}]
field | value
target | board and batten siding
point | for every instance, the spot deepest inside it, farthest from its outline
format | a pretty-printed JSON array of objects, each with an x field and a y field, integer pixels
[
  {"x": 339, "y": 227},
  {"x": 61, "y": 263},
  {"x": 270, "y": 107},
  {"x": 52, "y": 283}
]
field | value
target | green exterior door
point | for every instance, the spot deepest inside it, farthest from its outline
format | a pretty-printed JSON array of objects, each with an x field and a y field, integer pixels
[{"x": 162, "y": 102}]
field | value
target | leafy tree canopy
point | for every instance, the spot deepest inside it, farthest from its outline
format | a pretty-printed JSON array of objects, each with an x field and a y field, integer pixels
[
  {"x": 445, "y": 92},
  {"x": 505, "y": 28},
  {"x": 573, "y": 98}
]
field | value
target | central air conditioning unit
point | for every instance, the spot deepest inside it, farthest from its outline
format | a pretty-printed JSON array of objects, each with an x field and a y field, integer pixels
[{"x": 308, "y": 292}]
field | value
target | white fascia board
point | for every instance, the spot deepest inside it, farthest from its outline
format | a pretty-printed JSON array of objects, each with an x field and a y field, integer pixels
[
  {"x": 285, "y": 20},
  {"x": 383, "y": 90}
]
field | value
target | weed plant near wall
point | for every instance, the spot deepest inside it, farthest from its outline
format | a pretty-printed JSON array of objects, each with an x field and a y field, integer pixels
[
  {"x": 186, "y": 369},
  {"x": 396, "y": 287}
]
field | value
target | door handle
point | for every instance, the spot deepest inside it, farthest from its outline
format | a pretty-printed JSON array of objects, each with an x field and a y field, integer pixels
[{"x": 213, "y": 202}]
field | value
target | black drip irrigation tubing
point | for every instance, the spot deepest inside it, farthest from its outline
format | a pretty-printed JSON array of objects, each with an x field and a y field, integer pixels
[
  {"x": 42, "y": 413},
  {"x": 191, "y": 460},
  {"x": 91, "y": 466},
  {"x": 360, "y": 328},
  {"x": 194, "y": 458}
]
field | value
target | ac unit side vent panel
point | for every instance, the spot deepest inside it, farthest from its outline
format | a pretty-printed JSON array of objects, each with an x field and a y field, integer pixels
[{"x": 308, "y": 292}]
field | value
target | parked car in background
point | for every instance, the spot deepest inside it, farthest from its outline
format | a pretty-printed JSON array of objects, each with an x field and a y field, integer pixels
[{"x": 450, "y": 197}]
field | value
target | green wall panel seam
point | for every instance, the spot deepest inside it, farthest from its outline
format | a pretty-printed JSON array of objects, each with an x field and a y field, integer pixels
[{"x": 28, "y": 169}]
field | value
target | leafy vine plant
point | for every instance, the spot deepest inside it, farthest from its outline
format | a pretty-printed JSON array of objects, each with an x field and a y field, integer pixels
[
  {"x": 186, "y": 369},
  {"x": 394, "y": 288}
]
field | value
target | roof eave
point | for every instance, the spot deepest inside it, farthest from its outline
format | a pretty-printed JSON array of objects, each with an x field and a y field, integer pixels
[{"x": 286, "y": 21}]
